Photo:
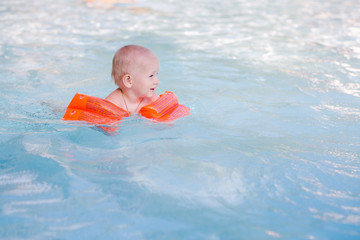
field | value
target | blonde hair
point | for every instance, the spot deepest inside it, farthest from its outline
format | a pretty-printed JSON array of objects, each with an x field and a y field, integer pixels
[{"x": 126, "y": 60}]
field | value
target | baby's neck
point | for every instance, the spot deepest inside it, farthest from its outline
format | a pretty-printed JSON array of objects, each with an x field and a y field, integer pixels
[{"x": 132, "y": 103}]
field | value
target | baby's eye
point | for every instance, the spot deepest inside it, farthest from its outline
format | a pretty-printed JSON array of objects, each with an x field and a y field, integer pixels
[{"x": 153, "y": 75}]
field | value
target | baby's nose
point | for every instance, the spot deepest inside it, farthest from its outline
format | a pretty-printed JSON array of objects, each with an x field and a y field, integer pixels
[{"x": 156, "y": 81}]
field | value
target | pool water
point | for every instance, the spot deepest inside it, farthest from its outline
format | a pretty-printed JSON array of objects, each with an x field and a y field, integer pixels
[{"x": 271, "y": 149}]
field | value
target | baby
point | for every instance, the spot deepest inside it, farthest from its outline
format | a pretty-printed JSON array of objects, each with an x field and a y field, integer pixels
[{"x": 135, "y": 70}]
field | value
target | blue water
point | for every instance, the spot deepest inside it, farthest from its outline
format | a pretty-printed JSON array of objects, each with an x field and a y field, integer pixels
[{"x": 271, "y": 149}]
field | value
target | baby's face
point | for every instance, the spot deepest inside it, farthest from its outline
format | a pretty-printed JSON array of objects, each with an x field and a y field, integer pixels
[{"x": 146, "y": 78}]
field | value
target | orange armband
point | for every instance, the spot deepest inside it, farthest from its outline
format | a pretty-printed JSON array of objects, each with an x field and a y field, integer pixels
[
  {"x": 165, "y": 108},
  {"x": 94, "y": 110}
]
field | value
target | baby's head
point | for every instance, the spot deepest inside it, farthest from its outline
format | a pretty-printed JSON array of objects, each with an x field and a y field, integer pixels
[{"x": 135, "y": 65}]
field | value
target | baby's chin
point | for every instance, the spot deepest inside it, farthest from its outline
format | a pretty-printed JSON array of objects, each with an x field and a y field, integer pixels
[{"x": 151, "y": 93}]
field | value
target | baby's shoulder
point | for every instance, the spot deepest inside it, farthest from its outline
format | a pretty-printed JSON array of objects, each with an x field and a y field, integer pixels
[{"x": 115, "y": 97}]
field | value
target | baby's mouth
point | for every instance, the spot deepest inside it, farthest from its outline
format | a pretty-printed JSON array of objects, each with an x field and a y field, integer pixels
[{"x": 152, "y": 89}]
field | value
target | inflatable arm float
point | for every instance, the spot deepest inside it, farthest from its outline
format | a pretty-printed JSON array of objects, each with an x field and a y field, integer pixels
[{"x": 100, "y": 111}]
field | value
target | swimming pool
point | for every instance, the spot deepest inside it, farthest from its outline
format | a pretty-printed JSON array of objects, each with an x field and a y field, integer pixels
[{"x": 270, "y": 150}]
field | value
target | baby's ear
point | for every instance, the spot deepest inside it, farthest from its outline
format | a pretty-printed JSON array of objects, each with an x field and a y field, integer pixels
[{"x": 127, "y": 80}]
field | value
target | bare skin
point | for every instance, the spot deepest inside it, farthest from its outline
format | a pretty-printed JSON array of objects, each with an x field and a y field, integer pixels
[{"x": 135, "y": 71}]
